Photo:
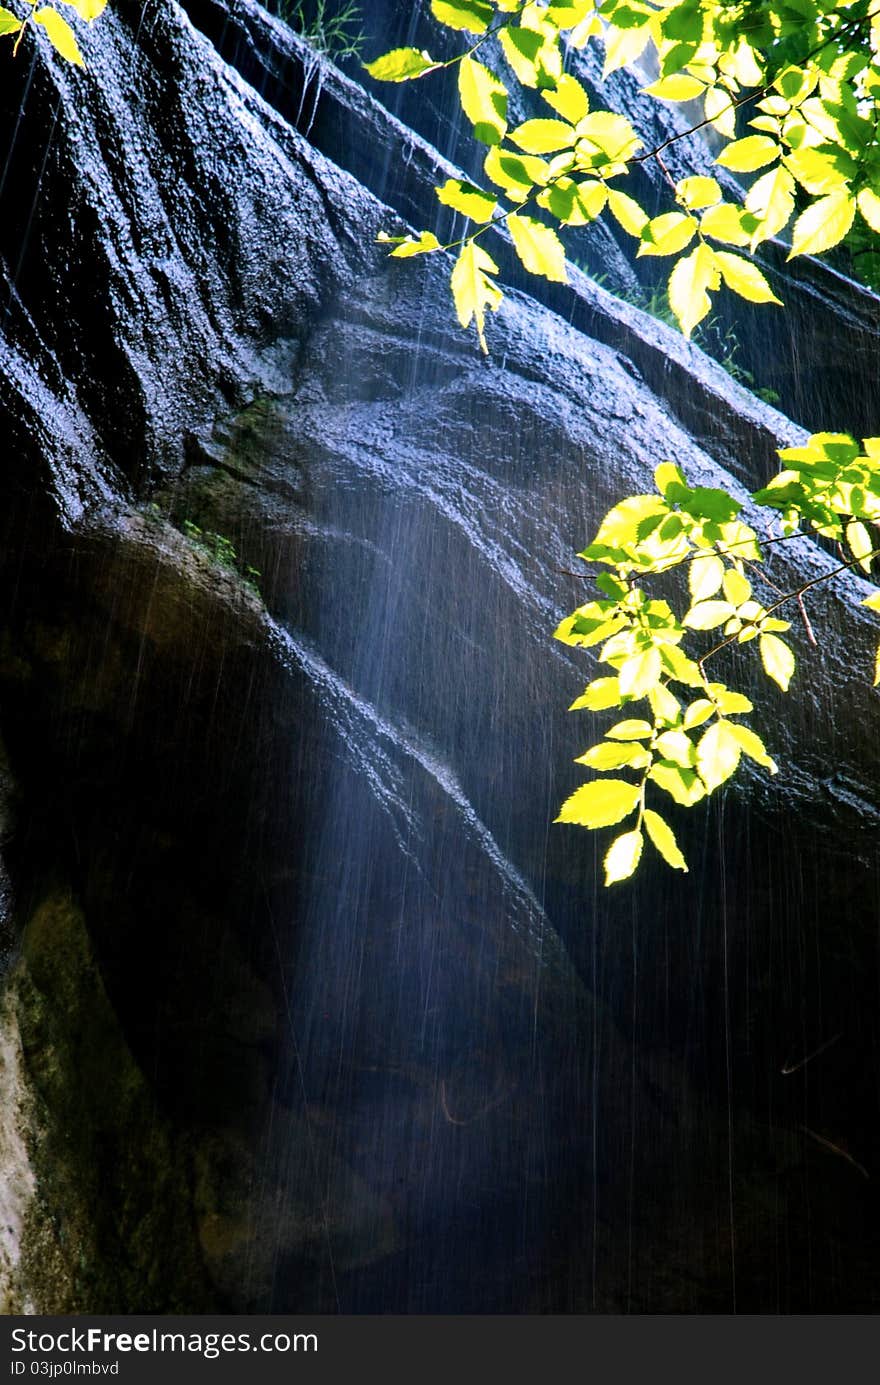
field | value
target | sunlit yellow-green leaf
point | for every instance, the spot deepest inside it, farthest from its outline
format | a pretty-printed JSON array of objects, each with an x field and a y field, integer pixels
[
  {"x": 600, "y": 803},
  {"x": 568, "y": 99},
  {"x": 719, "y": 111},
  {"x": 771, "y": 200},
  {"x": 778, "y": 660},
  {"x": 682, "y": 785},
  {"x": 400, "y": 65},
  {"x": 676, "y": 746},
  {"x": 9, "y": 23},
  {"x": 698, "y": 192},
  {"x": 678, "y": 87},
  {"x": 424, "y": 244},
  {"x": 61, "y": 36},
  {"x": 633, "y": 729},
  {"x": 861, "y": 544},
  {"x": 88, "y": 9},
  {"x": 744, "y": 278},
  {"x": 483, "y": 99},
  {"x": 752, "y": 746},
  {"x": 708, "y": 615},
  {"x": 622, "y": 857},
  {"x": 601, "y": 693},
  {"x": 718, "y": 752},
  {"x": 737, "y": 588},
  {"x": 664, "y": 705},
  {"x": 639, "y": 674},
  {"x": 823, "y": 225},
  {"x": 748, "y": 154},
  {"x": 472, "y": 289},
  {"x": 627, "y": 212},
  {"x": 543, "y": 136},
  {"x": 516, "y": 173},
  {"x": 667, "y": 234},
  {"x": 705, "y": 576},
  {"x": 467, "y": 199},
  {"x": 663, "y": 837},
  {"x": 473, "y": 15},
  {"x": 615, "y": 756},
  {"x": 539, "y": 247},
  {"x": 623, "y": 46},
  {"x": 690, "y": 283},
  {"x": 698, "y": 712},
  {"x": 869, "y": 205}
]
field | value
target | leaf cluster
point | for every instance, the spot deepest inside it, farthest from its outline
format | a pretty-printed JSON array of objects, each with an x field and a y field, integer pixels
[{"x": 808, "y": 70}]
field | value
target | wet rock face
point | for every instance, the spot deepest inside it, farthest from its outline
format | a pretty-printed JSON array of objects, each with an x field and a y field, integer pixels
[{"x": 283, "y": 892}]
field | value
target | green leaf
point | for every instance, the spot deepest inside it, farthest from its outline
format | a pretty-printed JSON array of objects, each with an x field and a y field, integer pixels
[
  {"x": 600, "y": 803},
  {"x": 538, "y": 247},
  {"x": 483, "y": 100},
  {"x": 778, "y": 660},
  {"x": 744, "y": 278},
  {"x": 472, "y": 290},
  {"x": 746, "y": 155},
  {"x": 689, "y": 285},
  {"x": 60, "y": 34},
  {"x": 663, "y": 837},
  {"x": 823, "y": 225},
  {"x": 622, "y": 857},
  {"x": 630, "y": 730},
  {"x": 610, "y": 756},
  {"x": 9, "y": 24},
  {"x": 705, "y": 576},
  {"x": 718, "y": 754},
  {"x": 639, "y": 674},
  {"x": 401, "y": 65},
  {"x": 601, "y": 693},
  {"x": 543, "y": 136},
  {"x": 473, "y": 15},
  {"x": 467, "y": 199},
  {"x": 752, "y": 746}
]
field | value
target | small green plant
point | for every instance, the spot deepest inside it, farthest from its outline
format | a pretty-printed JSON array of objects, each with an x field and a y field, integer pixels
[
  {"x": 330, "y": 30},
  {"x": 222, "y": 551}
]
